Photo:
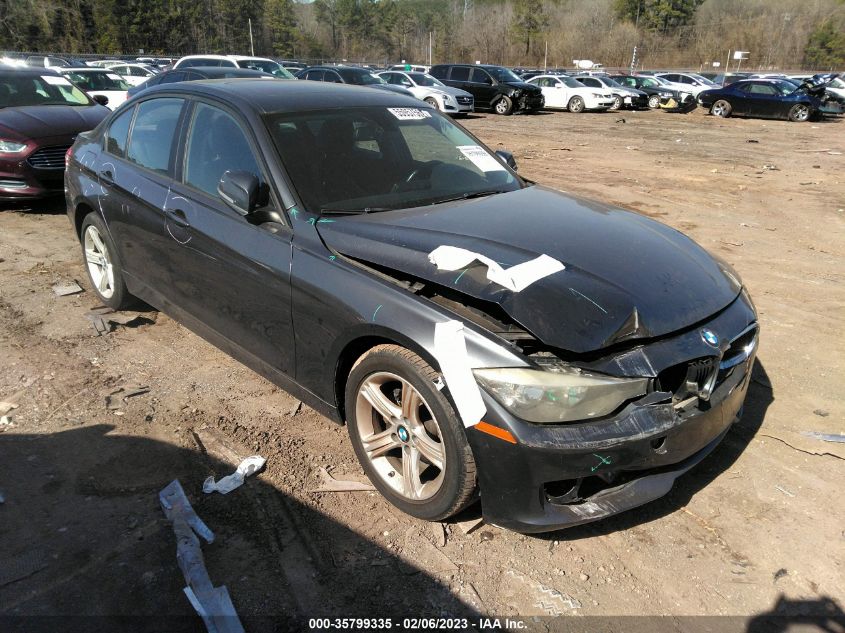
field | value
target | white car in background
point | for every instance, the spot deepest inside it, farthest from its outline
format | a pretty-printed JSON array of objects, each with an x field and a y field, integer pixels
[
  {"x": 105, "y": 63},
  {"x": 98, "y": 82},
  {"x": 565, "y": 93},
  {"x": 445, "y": 98},
  {"x": 689, "y": 82},
  {"x": 134, "y": 74},
  {"x": 411, "y": 68},
  {"x": 235, "y": 61}
]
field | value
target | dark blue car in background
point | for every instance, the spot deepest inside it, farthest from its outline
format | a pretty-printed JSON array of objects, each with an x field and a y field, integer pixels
[{"x": 771, "y": 99}]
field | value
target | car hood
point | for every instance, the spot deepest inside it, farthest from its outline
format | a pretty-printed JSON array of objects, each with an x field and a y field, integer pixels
[
  {"x": 626, "y": 277},
  {"x": 455, "y": 92},
  {"x": 33, "y": 122},
  {"x": 817, "y": 83},
  {"x": 523, "y": 85},
  {"x": 391, "y": 88}
]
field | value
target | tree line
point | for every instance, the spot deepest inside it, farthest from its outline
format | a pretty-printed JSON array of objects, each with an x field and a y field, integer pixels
[{"x": 779, "y": 34}]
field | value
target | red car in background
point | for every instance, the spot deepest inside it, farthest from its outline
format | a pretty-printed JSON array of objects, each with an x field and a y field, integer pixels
[{"x": 40, "y": 115}]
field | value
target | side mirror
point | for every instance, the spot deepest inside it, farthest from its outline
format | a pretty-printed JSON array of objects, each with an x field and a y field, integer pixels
[
  {"x": 239, "y": 189},
  {"x": 507, "y": 157},
  {"x": 101, "y": 99}
]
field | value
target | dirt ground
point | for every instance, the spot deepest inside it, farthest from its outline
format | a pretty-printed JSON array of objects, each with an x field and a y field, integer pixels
[{"x": 758, "y": 528}]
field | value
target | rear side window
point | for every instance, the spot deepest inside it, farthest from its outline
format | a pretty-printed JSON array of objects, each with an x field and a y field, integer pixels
[
  {"x": 460, "y": 73},
  {"x": 440, "y": 72},
  {"x": 153, "y": 133},
  {"x": 314, "y": 75},
  {"x": 216, "y": 144},
  {"x": 119, "y": 133}
]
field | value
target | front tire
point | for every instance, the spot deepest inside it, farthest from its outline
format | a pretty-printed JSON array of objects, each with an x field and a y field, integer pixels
[
  {"x": 504, "y": 106},
  {"x": 721, "y": 109},
  {"x": 432, "y": 102},
  {"x": 576, "y": 105},
  {"x": 407, "y": 436},
  {"x": 617, "y": 103},
  {"x": 799, "y": 113},
  {"x": 103, "y": 265}
]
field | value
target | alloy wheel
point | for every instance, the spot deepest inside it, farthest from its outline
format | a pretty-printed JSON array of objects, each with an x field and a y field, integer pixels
[
  {"x": 654, "y": 102},
  {"x": 400, "y": 436},
  {"x": 99, "y": 262},
  {"x": 800, "y": 112},
  {"x": 721, "y": 108}
]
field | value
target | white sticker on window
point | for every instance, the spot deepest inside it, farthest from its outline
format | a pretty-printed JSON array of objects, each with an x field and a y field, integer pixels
[
  {"x": 409, "y": 114},
  {"x": 113, "y": 76},
  {"x": 480, "y": 158},
  {"x": 55, "y": 81}
]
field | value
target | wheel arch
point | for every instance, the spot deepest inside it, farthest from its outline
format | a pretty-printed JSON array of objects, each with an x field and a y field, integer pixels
[{"x": 80, "y": 212}]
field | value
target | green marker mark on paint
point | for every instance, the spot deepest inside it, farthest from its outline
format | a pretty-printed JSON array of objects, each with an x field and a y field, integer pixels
[
  {"x": 312, "y": 221},
  {"x": 602, "y": 462},
  {"x": 324, "y": 221},
  {"x": 294, "y": 213},
  {"x": 458, "y": 278},
  {"x": 332, "y": 257},
  {"x": 376, "y": 312}
]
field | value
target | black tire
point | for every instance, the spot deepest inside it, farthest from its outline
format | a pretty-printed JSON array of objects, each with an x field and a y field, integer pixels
[
  {"x": 800, "y": 113},
  {"x": 617, "y": 103},
  {"x": 503, "y": 106},
  {"x": 432, "y": 102},
  {"x": 721, "y": 108},
  {"x": 654, "y": 102},
  {"x": 115, "y": 295},
  {"x": 458, "y": 486},
  {"x": 576, "y": 105}
]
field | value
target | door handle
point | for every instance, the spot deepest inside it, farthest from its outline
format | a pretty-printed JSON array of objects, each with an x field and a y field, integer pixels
[
  {"x": 177, "y": 217},
  {"x": 107, "y": 175}
]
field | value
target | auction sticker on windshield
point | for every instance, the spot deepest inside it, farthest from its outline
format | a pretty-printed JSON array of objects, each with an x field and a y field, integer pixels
[
  {"x": 55, "y": 81},
  {"x": 409, "y": 114},
  {"x": 480, "y": 158}
]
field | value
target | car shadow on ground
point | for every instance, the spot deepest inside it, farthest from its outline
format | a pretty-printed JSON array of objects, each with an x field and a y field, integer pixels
[
  {"x": 822, "y": 615},
  {"x": 84, "y": 544},
  {"x": 54, "y": 205},
  {"x": 760, "y": 396}
]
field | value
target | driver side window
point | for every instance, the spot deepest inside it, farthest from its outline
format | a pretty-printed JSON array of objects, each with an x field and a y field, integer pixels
[{"x": 216, "y": 144}]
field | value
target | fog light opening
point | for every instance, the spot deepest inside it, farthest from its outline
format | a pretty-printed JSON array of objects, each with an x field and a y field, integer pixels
[{"x": 659, "y": 445}]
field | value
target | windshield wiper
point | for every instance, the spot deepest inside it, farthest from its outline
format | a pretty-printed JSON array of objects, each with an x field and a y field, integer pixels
[
  {"x": 470, "y": 196},
  {"x": 354, "y": 211}
]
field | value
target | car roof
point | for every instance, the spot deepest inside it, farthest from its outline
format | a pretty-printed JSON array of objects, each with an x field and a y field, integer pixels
[
  {"x": 266, "y": 96},
  {"x": 18, "y": 71},
  {"x": 222, "y": 71}
]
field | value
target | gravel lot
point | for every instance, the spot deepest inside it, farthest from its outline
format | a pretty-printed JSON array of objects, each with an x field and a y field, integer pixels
[{"x": 758, "y": 528}]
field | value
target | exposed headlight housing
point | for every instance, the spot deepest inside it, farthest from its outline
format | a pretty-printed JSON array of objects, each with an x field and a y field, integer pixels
[
  {"x": 560, "y": 394},
  {"x": 11, "y": 147},
  {"x": 516, "y": 93}
]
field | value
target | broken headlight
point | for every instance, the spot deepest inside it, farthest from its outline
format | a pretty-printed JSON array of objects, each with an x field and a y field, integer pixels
[{"x": 564, "y": 394}]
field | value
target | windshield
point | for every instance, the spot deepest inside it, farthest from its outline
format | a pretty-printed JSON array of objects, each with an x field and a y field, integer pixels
[
  {"x": 421, "y": 79},
  {"x": 359, "y": 77},
  {"x": 265, "y": 65},
  {"x": 502, "y": 74},
  {"x": 703, "y": 80},
  {"x": 837, "y": 83},
  {"x": 23, "y": 90},
  {"x": 98, "y": 81},
  {"x": 378, "y": 159},
  {"x": 784, "y": 87}
]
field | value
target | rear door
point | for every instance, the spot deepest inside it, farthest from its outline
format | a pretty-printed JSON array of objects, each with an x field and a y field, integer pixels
[{"x": 228, "y": 273}]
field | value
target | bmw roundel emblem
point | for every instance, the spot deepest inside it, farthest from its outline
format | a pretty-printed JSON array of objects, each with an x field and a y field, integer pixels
[{"x": 709, "y": 337}]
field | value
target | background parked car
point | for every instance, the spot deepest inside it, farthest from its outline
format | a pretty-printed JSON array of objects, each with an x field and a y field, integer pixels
[
  {"x": 196, "y": 74},
  {"x": 566, "y": 93},
  {"x": 99, "y": 82},
  {"x": 433, "y": 91},
  {"x": 493, "y": 87},
  {"x": 695, "y": 83},
  {"x": 656, "y": 91},
  {"x": 763, "y": 98},
  {"x": 235, "y": 61},
  {"x": 133, "y": 74},
  {"x": 416, "y": 68},
  {"x": 349, "y": 75},
  {"x": 50, "y": 61},
  {"x": 40, "y": 116},
  {"x": 623, "y": 95}
]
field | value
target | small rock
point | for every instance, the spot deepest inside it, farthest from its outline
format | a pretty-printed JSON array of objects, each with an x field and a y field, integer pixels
[
  {"x": 602, "y": 569},
  {"x": 385, "y": 533},
  {"x": 583, "y": 577},
  {"x": 780, "y": 573},
  {"x": 487, "y": 536},
  {"x": 821, "y": 413}
]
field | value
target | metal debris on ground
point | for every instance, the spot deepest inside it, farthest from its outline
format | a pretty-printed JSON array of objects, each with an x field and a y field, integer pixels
[
  {"x": 6, "y": 423},
  {"x": 63, "y": 290},
  {"x": 247, "y": 467},
  {"x": 330, "y": 484},
  {"x": 295, "y": 408},
  {"x": 213, "y": 604},
  {"x": 825, "y": 437},
  {"x": 780, "y": 573},
  {"x": 122, "y": 395},
  {"x": 104, "y": 319},
  {"x": 784, "y": 491},
  {"x": 470, "y": 526}
]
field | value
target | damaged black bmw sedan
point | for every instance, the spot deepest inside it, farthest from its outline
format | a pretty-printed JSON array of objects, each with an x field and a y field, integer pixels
[{"x": 480, "y": 335}]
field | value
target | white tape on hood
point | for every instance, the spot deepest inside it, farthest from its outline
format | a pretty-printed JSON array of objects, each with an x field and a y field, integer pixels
[
  {"x": 515, "y": 278},
  {"x": 450, "y": 349}
]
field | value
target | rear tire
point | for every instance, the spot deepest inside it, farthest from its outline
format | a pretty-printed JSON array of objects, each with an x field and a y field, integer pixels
[
  {"x": 103, "y": 265},
  {"x": 576, "y": 105},
  {"x": 654, "y": 102},
  {"x": 503, "y": 106},
  {"x": 799, "y": 113},
  {"x": 721, "y": 109},
  {"x": 407, "y": 436}
]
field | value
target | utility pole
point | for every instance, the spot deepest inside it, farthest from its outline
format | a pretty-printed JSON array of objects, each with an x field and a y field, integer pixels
[
  {"x": 430, "y": 47},
  {"x": 727, "y": 63},
  {"x": 546, "y": 57},
  {"x": 251, "y": 47},
  {"x": 634, "y": 60}
]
